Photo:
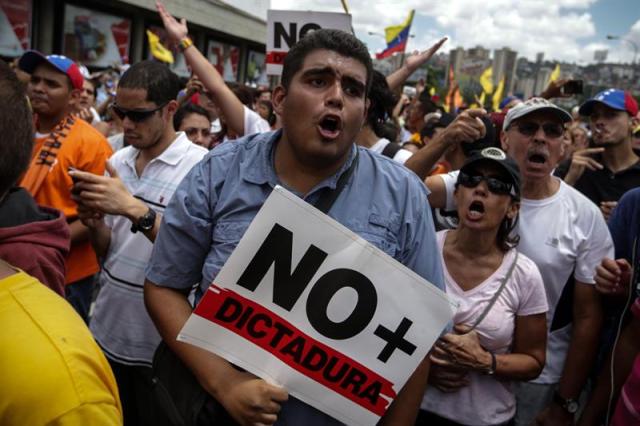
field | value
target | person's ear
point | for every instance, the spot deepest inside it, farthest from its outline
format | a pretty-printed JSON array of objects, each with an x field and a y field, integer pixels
[
  {"x": 504, "y": 141},
  {"x": 513, "y": 210},
  {"x": 278, "y": 98},
  {"x": 172, "y": 107},
  {"x": 633, "y": 123}
]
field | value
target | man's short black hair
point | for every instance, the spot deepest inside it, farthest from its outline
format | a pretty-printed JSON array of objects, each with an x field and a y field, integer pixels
[
  {"x": 161, "y": 84},
  {"x": 337, "y": 41},
  {"x": 16, "y": 128},
  {"x": 382, "y": 101},
  {"x": 186, "y": 110}
]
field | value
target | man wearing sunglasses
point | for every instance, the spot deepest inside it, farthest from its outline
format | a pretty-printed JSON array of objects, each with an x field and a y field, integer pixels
[
  {"x": 566, "y": 236},
  {"x": 63, "y": 142},
  {"x": 123, "y": 213}
]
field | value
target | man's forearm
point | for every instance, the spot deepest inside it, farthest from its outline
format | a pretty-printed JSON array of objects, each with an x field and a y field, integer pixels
[
  {"x": 79, "y": 232},
  {"x": 581, "y": 354},
  {"x": 100, "y": 237},
  {"x": 422, "y": 162},
  {"x": 398, "y": 77},
  {"x": 404, "y": 409},
  {"x": 169, "y": 310}
]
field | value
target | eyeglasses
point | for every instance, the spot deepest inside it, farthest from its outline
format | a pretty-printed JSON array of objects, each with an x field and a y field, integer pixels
[
  {"x": 530, "y": 128},
  {"x": 135, "y": 115},
  {"x": 495, "y": 185}
]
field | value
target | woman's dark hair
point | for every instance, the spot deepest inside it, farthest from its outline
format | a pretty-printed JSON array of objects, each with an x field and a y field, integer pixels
[
  {"x": 382, "y": 100},
  {"x": 271, "y": 119},
  {"x": 16, "y": 125},
  {"x": 505, "y": 238},
  {"x": 188, "y": 109}
]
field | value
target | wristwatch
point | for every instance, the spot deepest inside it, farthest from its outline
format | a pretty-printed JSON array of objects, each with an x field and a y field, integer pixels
[
  {"x": 144, "y": 222},
  {"x": 571, "y": 406},
  {"x": 494, "y": 364}
]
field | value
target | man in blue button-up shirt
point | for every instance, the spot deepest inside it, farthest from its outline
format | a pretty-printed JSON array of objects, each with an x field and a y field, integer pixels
[{"x": 322, "y": 103}]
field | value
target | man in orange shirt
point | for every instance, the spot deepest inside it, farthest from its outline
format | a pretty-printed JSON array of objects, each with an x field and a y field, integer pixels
[{"x": 63, "y": 142}]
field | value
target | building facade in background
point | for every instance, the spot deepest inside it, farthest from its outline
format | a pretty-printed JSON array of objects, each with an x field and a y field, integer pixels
[{"x": 102, "y": 34}]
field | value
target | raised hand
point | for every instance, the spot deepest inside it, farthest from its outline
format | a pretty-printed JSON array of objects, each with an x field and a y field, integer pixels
[
  {"x": 580, "y": 161},
  {"x": 417, "y": 58},
  {"x": 175, "y": 30}
]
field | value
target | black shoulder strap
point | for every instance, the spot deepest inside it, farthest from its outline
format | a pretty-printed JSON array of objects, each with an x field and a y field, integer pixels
[
  {"x": 391, "y": 150},
  {"x": 328, "y": 197}
]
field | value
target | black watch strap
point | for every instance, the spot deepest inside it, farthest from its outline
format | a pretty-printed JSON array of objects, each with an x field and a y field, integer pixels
[{"x": 145, "y": 222}]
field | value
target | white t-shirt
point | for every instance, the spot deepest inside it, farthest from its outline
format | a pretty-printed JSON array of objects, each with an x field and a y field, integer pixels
[
  {"x": 567, "y": 237},
  {"x": 253, "y": 123},
  {"x": 401, "y": 156},
  {"x": 487, "y": 401}
]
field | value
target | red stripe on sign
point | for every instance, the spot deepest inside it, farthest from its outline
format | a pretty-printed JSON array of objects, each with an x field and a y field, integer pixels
[
  {"x": 301, "y": 352},
  {"x": 275, "y": 58}
]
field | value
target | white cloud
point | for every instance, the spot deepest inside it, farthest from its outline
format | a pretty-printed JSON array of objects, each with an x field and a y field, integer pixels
[{"x": 562, "y": 29}]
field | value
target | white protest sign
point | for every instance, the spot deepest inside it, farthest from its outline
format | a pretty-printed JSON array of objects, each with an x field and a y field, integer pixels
[
  {"x": 286, "y": 27},
  {"x": 305, "y": 303}
]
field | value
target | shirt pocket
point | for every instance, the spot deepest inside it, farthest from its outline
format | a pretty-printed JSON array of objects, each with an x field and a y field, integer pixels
[{"x": 381, "y": 232}]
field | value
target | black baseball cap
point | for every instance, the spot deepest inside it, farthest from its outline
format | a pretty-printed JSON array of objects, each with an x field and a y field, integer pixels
[{"x": 496, "y": 156}]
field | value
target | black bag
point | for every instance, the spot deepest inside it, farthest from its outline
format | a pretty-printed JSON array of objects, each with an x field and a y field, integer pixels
[{"x": 180, "y": 396}]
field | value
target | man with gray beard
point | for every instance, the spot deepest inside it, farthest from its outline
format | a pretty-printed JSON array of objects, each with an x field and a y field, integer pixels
[{"x": 565, "y": 234}]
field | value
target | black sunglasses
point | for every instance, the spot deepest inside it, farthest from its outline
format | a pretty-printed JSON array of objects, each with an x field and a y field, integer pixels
[
  {"x": 529, "y": 128},
  {"x": 135, "y": 115},
  {"x": 495, "y": 185}
]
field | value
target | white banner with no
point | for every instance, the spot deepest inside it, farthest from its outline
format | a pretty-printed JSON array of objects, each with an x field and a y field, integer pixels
[
  {"x": 305, "y": 303},
  {"x": 286, "y": 27}
]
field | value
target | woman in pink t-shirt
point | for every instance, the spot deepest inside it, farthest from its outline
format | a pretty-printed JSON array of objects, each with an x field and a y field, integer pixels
[{"x": 500, "y": 325}]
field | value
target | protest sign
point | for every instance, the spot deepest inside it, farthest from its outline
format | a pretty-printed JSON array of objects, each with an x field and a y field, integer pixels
[
  {"x": 286, "y": 27},
  {"x": 305, "y": 303}
]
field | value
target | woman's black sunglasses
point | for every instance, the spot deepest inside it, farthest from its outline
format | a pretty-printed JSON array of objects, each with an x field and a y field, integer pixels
[
  {"x": 495, "y": 185},
  {"x": 135, "y": 115}
]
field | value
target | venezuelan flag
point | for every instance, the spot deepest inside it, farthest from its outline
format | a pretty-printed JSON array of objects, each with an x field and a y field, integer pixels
[{"x": 396, "y": 37}]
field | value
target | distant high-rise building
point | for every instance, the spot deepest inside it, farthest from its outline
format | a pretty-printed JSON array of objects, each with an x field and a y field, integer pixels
[
  {"x": 504, "y": 65},
  {"x": 539, "y": 57},
  {"x": 478, "y": 53},
  {"x": 542, "y": 79},
  {"x": 456, "y": 59},
  {"x": 525, "y": 87}
]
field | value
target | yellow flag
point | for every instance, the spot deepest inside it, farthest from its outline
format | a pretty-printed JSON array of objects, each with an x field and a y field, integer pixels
[
  {"x": 497, "y": 96},
  {"x": 486, "y": 80},
  {"x": 555, "y": 74},
  {"x": 482, "y": 99},
  {"x": 158, "y": 51}
]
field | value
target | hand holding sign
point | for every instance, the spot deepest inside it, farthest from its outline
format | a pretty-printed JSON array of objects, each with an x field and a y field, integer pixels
[{"x": 250, "y": 400}]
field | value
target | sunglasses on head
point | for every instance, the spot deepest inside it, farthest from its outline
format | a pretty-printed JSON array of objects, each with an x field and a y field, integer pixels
[
  {"x": 530, "y": 128},
  {"x": 135, "y": 115},
  {"x": 495, "y": 185}
]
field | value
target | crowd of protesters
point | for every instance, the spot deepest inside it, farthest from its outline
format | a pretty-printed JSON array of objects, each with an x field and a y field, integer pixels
[{"x": 125, "y": 191}]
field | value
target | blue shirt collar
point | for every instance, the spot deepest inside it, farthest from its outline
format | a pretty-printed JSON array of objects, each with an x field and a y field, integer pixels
[{"x": 259, "y": 168}]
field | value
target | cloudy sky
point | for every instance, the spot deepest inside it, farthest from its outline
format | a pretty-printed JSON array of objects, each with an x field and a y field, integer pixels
[{"x": 568, "y": 30}]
